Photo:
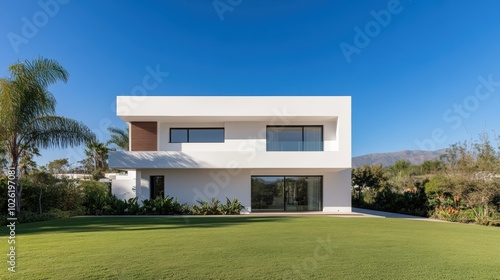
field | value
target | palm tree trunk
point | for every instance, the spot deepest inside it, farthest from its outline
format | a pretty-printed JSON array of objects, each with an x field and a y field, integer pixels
[{"x": 96, "y": 163}]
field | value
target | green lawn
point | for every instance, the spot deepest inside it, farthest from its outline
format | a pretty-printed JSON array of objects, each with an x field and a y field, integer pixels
[{"x": 250, "y": 247}]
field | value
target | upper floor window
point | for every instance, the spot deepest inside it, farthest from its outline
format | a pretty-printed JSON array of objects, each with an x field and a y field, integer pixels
[
  {"x": 294, "y": 138},
  {"x": 196, "y": 135}
]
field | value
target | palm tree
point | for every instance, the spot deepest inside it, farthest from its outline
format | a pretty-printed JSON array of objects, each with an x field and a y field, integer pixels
[
  {"x": 119, "y": 137},
  {"x": 27, "y": 164},
  {"x": 97, "y": 154},
  {"x": 27, "y": 112}
]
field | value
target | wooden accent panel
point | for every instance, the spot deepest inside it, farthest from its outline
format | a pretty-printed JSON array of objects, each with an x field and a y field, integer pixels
[{"x": 144, "y": 136}]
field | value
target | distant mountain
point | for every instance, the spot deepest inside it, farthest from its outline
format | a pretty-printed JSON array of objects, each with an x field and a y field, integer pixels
[{"x": 386, "y": 159}]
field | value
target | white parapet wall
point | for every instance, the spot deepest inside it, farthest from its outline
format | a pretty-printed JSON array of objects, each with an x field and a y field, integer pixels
[{"x": 124, "y": 186}]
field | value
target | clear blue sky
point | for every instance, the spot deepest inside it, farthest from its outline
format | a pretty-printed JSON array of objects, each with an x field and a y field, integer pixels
[{"x": 416, "y": 66}]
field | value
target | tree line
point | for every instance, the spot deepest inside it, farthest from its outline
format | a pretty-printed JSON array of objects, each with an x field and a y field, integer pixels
[{"x": 463, "y": 185}]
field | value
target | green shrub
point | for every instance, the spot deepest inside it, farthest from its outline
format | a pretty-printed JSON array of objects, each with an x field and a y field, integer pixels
[
  {"x": 59, "y": 214},
  {"x": 466, "y": 216},
  {"x": 95, "y": 197},
  {"x": 182, "y": 209},
  {"x": 63, "y": 194},
  {"x": 454, "y": 215},
  {"x": 214, "y": 207},
  {"x": 97, "y": 201},
  {"x": 232, "y": 207},
  {"x": 114, "y": 206},
  {"x": 29, "y": 217},
  {"x": 153, "y": 206},
  {"x": 208, "y": 208},
  {"x": 173, "y": 207},
  {"x": 78, "y": 211},
  {"x": 3, "y": 197},
  {"x": 3, "y": 220},
  {"x": 133, "y": 207}
]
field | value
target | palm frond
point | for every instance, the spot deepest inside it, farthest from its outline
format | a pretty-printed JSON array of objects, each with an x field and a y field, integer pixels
[
  {"x": 40, "y": 71},
  {"x": 55, "y": 131},
  {"x": 118, "y": 137}
]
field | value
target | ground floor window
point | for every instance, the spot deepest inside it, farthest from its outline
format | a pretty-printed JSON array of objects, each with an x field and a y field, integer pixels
[
  {"x": 157, "y": 186},
  {"x": 287, "y": 193}
]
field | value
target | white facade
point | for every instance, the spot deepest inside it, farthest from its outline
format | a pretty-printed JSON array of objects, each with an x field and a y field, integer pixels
[{"x": 195, "y": 171}]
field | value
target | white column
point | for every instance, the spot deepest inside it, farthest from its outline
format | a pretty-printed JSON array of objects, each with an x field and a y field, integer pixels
[{"x": 337, "y": 191}]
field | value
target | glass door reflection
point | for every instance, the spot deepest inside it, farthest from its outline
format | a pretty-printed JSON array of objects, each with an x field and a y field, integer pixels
[{"x": 287, "y": 193}]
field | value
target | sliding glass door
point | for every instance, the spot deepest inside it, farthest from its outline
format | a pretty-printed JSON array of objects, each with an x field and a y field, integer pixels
[
  {"x": 267, "y": 193},
  {"x": 287, "y": 193}
]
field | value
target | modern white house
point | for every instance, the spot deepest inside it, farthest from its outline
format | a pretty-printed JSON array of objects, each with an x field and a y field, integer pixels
[{"x": 273, "y": 153}]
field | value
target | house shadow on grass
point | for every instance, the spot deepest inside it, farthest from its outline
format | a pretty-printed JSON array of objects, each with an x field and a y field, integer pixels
[{"x": 117, "y": 224}]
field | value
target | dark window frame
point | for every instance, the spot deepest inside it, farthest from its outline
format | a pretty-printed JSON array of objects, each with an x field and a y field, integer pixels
[
  {"x": 302, "y": 141},
  {"x": 197, "y": 128},
  {"x": 152, "y": 188}
]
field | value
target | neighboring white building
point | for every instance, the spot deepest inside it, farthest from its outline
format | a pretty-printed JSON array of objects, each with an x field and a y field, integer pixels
[
  {"x": 79, "y": 176},
  {"x": 287, "y": 153}
]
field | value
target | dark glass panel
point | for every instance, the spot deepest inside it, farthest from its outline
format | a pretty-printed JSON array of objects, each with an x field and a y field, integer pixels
[
  {"x": 313, "y": 138},
  {"x": 209, "y": 135},
  {"x": 284, "y": 138},
  {"x": 267, "y": 193},
  {"x": 157, "y": 186},
  {"x": 178, "y": 135},
  {"x": 287, "y": 193}
]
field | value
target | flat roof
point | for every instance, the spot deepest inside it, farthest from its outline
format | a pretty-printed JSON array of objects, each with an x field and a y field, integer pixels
[{"x": 237, "y": 108}]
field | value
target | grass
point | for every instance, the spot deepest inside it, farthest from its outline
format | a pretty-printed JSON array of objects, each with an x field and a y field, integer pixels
[{"x": 251, "y": 247}]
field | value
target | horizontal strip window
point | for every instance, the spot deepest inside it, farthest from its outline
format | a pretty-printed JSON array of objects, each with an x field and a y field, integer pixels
[
  {"x": 196, "y": 135},
  {"x": 294, "y": 138}
]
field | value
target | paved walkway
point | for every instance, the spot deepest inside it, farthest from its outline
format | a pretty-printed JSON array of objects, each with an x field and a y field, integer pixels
[
  {"x": 308, "y": 213},
  {"x": 381, "y": 214},
  {"x": 356, "y": 213}
]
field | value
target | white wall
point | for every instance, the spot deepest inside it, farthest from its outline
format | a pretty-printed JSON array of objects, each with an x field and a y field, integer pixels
[
  {"x": 123, "y": 188},
  {"x": 244, "y": 146},
  {"x": 243, "y": 135},
  {"x": 227, "y": 159},
  {"x": 337, "y": 191},
  {"x": 188, "y": 186},
  {"x": 244, "y": 120}
]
